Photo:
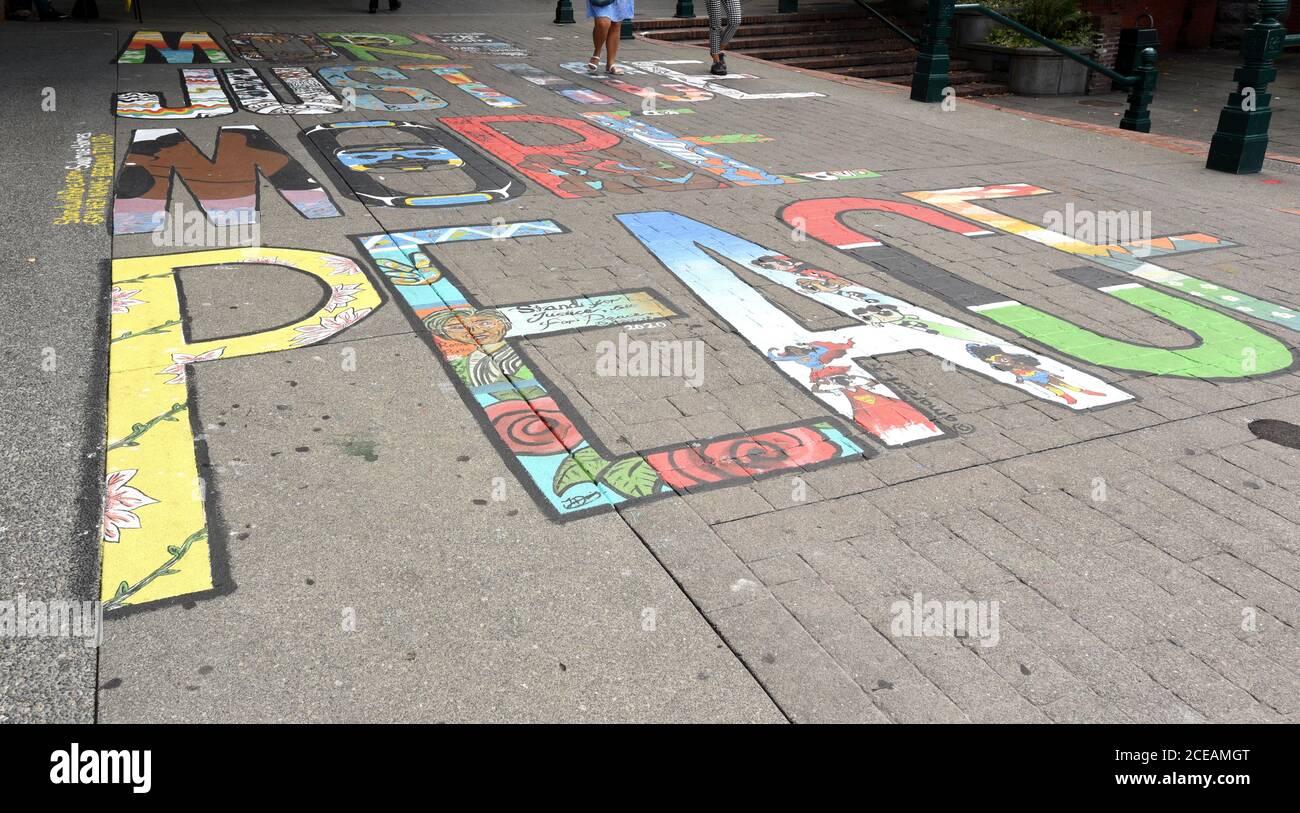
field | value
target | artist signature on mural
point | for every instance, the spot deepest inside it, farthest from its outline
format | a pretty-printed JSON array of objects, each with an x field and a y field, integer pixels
[
  {"x": 949, "y": 419},
  {"x": 579, "y": 500}
]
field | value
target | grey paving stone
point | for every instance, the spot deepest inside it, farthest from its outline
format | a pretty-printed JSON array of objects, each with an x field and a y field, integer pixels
[
  {"x": 782, "y": 568},
  {"x": 807, "y": 683},
  {"x": 892, "y": 681}
]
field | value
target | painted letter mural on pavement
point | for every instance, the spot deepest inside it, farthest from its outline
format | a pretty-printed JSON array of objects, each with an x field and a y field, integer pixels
[
  {"x": 255, "y": 95},
  {"x": 280, "y": 47},
  {"x": 1219, "y": 346},
  {"x": 157, "y": 541},
  {"x": 596, "y": 164},
  {"x": 831, "y": 364},
  {"x": 204, "y": 98},
  {"x": 362, "y": 166},
  {"x": 362, "y": 47},
  {"x": 455, "y": 74},
  {"x": 342, "y": 78},
  {"x": 538, "y": 432},
  {"x": 1128, "y": 259},
  {"x": 225, "y": 185},
  {"x": 573, "y": 92},
  {"x": 171, "y": 47}
]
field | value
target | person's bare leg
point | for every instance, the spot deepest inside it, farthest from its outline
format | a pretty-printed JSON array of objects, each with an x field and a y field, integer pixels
[
  {"x": 611, "y": 44},
  {"x": 599, "y": 33}
]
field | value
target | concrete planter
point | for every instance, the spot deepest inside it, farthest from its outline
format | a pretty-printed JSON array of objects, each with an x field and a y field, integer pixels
[
  {"x": 994, "y": 59},
  {"x": 970, "y": 27},
  {"x": 1043, "y": 72}
]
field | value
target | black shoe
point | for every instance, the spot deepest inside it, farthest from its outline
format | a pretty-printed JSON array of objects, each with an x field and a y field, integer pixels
[
  {"x": 53, "y": 16},
  {"x": 720, "y": 67},
  {"x": 394, "y": 5},
  {"x": 374, "y": 6}
]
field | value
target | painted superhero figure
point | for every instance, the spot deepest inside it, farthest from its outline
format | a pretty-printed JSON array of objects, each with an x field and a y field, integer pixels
[
  {"x": 813, "y": 355},
  {"x": 1026, "y": 369},
  {"x": 878, "y": 414},
  {"x": 811, "y": 279}
]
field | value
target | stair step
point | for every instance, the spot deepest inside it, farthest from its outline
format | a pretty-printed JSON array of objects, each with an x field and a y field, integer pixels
[
  {"x": 902, "y": 56},
  {"x": 803, "y": 18},
  {"x": 812, "y": 38},
  {"x": 769, "y": 29},
  {"x": 889, "y": 71},
  {"x": 847, "y": 43},
  {"x": 834, "y": 49}
]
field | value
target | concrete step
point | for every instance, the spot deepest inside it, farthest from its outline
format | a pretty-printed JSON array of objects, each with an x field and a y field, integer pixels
[
  {"x": 900, "y": 56},
  {"x": 889, "y": 71},
  {"x": 800, "y": 18},
  {"x": 770, "y": 29},
  {"x": 862, "y": 49},
  {"x": 848, "y": 36}
]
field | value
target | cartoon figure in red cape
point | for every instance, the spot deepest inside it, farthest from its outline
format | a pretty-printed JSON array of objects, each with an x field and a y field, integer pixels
[{"x": 880, "y": 415}]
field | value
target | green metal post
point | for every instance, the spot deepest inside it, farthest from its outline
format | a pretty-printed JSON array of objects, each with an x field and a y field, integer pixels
[
  {"x": 1241, "y": 139},
  {"x": 685, "y": 9},
  {"x": 564, "y": 12},
  {"x": 930, "y": 76},
  {"x": 787, "y": 6},
  {"x": 1138, "y": 118},
  {"x": 625, "y": 29}
]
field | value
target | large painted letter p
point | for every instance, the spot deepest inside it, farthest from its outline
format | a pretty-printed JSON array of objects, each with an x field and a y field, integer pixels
[{"x": 155, "y": 528}]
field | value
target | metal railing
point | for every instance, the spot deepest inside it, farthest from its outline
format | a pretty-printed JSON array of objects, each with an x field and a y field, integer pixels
[
  {"x": 900, "y": 32},
  {"x": 930, "y": 78}
]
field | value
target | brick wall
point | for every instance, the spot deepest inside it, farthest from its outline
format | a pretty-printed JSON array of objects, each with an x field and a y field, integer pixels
[
  {"x": 1182, "y": 23},
  {"x": 1108, "y": 26}
]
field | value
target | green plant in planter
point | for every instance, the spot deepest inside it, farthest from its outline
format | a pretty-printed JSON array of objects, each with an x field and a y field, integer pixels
[{"x": 1059, "y": 20}]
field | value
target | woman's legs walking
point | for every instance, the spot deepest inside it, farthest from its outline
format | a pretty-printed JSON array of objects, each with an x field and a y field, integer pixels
[
  {"x": 599, "y": 36},
  {"x": 611, "y": 44},
  {"x": 719, "y": 36}
]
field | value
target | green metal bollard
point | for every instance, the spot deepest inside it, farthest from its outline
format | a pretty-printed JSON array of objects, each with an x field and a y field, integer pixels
[
  {"x": 1138, "y": 118},
  {"x": 625, "y": 29},
  {"x": 1241, "y": 139},
  {"x": 685, "y": 9},
  {"x": 930, "y": 76},
  {"x": 564, "y": 12}
]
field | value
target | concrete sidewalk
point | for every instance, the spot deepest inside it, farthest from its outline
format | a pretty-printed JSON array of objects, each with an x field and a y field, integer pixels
[{"x": 881, "y": 383}]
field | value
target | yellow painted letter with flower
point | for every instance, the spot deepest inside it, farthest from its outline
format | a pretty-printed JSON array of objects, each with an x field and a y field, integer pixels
[{"x": 155, "y": 529}]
